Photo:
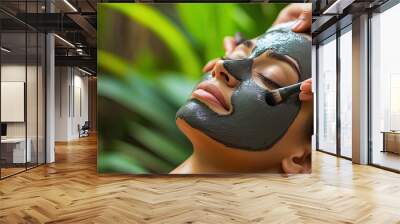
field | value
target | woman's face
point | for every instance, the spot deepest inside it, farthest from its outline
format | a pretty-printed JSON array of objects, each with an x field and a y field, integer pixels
[{"x": 229, "y": 104}]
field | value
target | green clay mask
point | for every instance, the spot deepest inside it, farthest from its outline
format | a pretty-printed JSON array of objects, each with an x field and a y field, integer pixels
[{"x": 253, "y": 124}]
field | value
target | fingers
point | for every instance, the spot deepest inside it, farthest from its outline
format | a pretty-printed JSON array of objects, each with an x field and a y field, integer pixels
[
  {"x": 300, "y": 12},
  {"x": 303, "y": 23},
  {"x": 229, "y": 45},
  {"x": 305, "y": 97},
  {"x": 306, "y": 86},
  {"x": 306, "y": 90},
  {"x": 283, "y": 17},
  {"x": 210, "y": 65},
  {"x": 289, "y": 13}
]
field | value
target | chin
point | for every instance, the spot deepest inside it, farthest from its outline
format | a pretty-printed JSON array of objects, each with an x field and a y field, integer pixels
[{"x": 186, "y": 129}]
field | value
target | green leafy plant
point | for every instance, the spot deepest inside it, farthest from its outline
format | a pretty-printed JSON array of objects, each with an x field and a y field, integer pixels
[{"x": 149, "y": 137}]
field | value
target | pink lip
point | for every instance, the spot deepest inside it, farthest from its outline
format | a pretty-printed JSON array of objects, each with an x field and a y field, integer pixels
[{"x": 210, "y": 93}]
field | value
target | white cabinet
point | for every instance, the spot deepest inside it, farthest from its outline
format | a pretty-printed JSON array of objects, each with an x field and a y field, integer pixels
[{"x": 17, "y": 146}]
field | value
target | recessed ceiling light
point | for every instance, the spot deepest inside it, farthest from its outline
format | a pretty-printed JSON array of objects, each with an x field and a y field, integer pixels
[
  {"x": 70, "y": 5},
  {"x": 337, "y": 7},
  {"x": 65, "y": 41},
  {"x": 5, "y": 50},
  {"x": 84, "y": 71}
]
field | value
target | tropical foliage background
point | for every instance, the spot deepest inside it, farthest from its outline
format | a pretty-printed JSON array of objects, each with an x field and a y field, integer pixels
[{"x": 149, "y": 58}]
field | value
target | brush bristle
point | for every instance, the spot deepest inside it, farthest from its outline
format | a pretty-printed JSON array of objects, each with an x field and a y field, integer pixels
[
  {"x": 277, "y": 96},
  {"x": 273, "y": 98}
]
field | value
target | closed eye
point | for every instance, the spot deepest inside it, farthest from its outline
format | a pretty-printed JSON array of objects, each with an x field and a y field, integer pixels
[{"x": 268, "y": 82}]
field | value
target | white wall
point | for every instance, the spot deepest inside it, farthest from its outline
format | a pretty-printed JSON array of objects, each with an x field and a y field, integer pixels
[
  {"x": 16, "y": 73},
  {"x": 71, "y": 94},
  {"x": 62, "y": 82},
  {"x": 80, "y": 110}
]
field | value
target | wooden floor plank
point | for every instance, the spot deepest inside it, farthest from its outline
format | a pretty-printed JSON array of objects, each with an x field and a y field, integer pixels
[{"x": 70, "y": 191}]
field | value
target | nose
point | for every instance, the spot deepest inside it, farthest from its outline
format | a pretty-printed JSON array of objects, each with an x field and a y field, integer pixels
[
  {"x": 240, "y": 69},
  {"x": 221, "y": 74}
]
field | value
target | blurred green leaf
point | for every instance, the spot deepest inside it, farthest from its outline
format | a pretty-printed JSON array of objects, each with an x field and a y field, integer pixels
[
  {"x": 145, "y": 62},
  {"x": 144, "y": 158},
  {"x": 272, "y": 9},
  {"x": 129, "y": 97},
  {"x": 112, "y": 63},
  {"x": 167, "y": 31},
  {"x": 244, "y": 22},
  {"x": 176, "y": 88},
  {"x": 118, "y": 162},
  {"x": 195, "y": 26},
  {"x": 158, "y": 143},
  {"x": 207, "y": 24}
]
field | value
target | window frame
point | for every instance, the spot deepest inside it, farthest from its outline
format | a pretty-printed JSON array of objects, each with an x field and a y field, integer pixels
[{"x": 335, "y": 36}]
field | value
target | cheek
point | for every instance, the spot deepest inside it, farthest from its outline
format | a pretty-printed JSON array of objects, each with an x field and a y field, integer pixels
[
  {"x": 249, "y": 99},
  {"x": 205, "y": 77}
]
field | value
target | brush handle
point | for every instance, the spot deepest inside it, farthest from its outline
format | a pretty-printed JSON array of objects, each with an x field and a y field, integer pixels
[{"x": 287, "y": 91}]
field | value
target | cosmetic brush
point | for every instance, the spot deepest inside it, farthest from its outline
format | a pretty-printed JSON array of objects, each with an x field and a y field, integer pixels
[{"x": 278, "y": 96}]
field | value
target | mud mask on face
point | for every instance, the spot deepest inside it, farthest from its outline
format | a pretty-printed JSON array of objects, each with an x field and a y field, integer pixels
[{"x": 253, "y": 124}]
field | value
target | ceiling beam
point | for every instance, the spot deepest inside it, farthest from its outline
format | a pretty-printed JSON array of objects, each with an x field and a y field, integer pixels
[
  {"x": 83, "y": 23},
  {"x": 49, "y": 22},
  {"x": 78, "y": 61}
]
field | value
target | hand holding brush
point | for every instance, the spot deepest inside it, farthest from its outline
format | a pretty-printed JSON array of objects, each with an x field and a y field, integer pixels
[{"x": 278, "y": 96}]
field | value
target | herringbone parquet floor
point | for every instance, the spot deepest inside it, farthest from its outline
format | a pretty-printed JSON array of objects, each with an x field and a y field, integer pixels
[{"x": 70, "y": 191}]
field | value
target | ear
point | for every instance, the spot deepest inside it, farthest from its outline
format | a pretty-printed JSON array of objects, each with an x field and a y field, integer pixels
[{"x": 298, "y": 162}]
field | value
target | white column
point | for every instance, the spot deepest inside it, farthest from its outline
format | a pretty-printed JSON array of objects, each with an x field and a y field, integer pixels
[
  {"x": 50, "y": 92},
  {"x": 360, "y": 90},
  {"x": 50, "y": 99}
]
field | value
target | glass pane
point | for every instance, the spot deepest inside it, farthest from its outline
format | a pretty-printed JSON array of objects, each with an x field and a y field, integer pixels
[
  {"x": 346, "y": 94},
  {"x": 41, "y": 98},
  {"x": 13, "y": 86},
  {"x": 31, "y": 88},
  {"x": 385, "y": 84},
  {"x": 31, "y": 97},
  {"x": 327, "y": 97}
]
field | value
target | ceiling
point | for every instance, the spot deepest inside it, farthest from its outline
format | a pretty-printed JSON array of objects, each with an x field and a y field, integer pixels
[
  {"x": 74, "y": 22},
  {"x": 57, "y": 5},
  {"x": 329, "y": 16}
]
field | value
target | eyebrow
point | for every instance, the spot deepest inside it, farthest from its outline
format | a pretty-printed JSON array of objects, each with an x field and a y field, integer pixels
[
  {"x": 285, "y": 59},
  {"x": 247, "y": 43}
]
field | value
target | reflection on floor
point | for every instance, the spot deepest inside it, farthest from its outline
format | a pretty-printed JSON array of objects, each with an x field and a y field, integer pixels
[
  {"x": 9, "y": 170},
  {"x": 387, "y": 159},
  {"x": 71, "y": 191}
]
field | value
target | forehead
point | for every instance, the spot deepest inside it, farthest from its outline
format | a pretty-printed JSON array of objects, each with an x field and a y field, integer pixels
[{"x": 281, "y": 40}]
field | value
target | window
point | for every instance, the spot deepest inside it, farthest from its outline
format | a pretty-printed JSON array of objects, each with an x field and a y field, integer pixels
[
  {"x": 326, "y": 101},
  {"x": 346, "y": 75},
  {"x": 385, "y": 89}
]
